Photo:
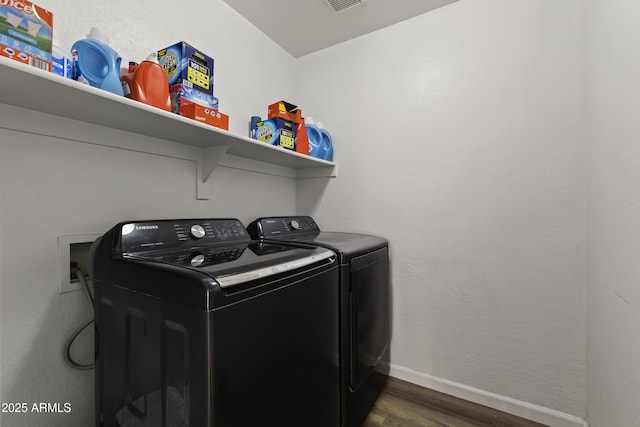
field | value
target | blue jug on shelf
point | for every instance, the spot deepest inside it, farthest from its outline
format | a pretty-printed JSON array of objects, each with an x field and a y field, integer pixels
[
  {"x": 314, "y": 135},
  {"x": 320, "y": 141},
  {"x": 326, "y": 143},
  {"x": 96, "y": 63}
]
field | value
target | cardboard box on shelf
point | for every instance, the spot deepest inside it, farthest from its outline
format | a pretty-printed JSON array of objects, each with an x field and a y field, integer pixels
[
  {"x": 179, "y": 92},
  {"x": 288, "y": 112},
  {"x": 284, "y": 110},
  {"x": 278, "y": 132},
  {"x": 204, "y": 114},
  {"x": 26, "y": 32},
  {"x": 183, "y": 64}
]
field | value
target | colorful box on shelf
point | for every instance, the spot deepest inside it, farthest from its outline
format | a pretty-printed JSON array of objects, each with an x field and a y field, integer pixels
[
  {"x": 187, "y": 66},
  {"x": 25, "y": 33},
  {"x": 278, "y": 132},
  {"x": 204, "y": 114},
  {"x": 179, "y": 92},
  {"x": 284, "y": 110}
]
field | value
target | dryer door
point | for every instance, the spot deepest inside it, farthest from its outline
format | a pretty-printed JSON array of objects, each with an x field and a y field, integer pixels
[{"x": 369, "y": 313}]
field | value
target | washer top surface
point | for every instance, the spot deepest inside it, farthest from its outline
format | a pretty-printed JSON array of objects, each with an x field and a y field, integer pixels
[
  {"x": 303, "y": 229},
  {"x": 220, "y": 248}
]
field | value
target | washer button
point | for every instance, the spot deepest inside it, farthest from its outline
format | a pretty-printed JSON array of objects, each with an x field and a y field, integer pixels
[
  {"x": 197, "y": 232},
  {"x": 197, "y": 260}
]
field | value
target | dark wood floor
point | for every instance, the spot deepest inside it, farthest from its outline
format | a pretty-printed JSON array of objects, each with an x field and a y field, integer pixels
[{"x": 403, "y": 404}]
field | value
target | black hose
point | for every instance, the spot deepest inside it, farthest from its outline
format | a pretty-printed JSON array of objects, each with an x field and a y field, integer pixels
[{"x": 67, "y": 348}]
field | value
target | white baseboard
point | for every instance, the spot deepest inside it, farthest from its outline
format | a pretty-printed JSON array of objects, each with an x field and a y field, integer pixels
[{"x": 511, "y": 406}]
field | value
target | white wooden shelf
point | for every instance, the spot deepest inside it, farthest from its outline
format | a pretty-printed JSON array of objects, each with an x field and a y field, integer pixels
[{"x": 33, "y": 89}]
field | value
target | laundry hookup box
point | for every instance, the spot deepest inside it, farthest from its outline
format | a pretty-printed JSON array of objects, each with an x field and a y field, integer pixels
[{"x": 25, "y": 33}]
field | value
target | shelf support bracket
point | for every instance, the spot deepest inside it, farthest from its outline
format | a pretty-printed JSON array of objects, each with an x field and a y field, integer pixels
[
  {"x": 211, "y": 156},
  {"x": 318, "y": 172}
]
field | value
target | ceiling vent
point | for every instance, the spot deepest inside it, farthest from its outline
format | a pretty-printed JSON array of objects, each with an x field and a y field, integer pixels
[{"x": 342, "y": 5}]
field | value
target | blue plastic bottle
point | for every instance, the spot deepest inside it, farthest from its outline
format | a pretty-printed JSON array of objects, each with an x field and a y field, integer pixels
[
  {"x": 96, "y": 63},
  {"x": 314, "y": 135},
  {"x": 326, "y": 150},
  {"x": 315, "y": 140}
]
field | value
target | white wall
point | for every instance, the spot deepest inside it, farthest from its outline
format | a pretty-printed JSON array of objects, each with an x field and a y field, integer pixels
[
  {"x": 613, "y": 351},
  {"x": 52, "y": 186},
  {"x": 459, "y": 136}
]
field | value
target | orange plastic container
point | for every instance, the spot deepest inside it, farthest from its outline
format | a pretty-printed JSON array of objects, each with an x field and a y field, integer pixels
[
  {"x": 302, "y": 143},
  {"x": 146, "y": 82}
]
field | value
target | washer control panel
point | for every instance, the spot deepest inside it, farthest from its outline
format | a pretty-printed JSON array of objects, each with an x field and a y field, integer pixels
[
  {"x": 170, "y": 234},
  {"x": 202, "y": 256},
  {"x": 265, "y": 228}
]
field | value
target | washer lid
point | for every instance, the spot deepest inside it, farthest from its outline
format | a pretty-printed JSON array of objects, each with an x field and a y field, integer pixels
[
  {"x": 303, "y": 229},
  {"x": 265, "y": 269},
  {"x": 348, "y": 245}
]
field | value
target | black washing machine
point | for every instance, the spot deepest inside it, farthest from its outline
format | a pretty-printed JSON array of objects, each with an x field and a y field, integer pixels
[
  {"x": 364, "y": 306},
  {"x": 197, "y": 325}
]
